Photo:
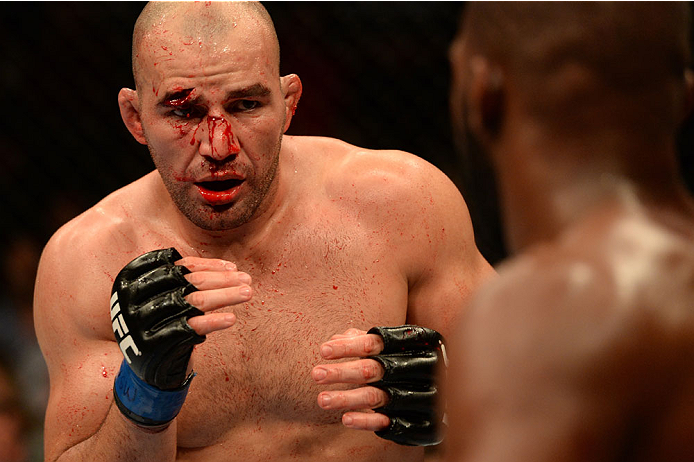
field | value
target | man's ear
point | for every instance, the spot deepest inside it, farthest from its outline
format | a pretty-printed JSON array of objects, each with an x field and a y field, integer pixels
[
  {"x": 291, "y": 89},
  {"x": 130, "y": 113},
  {"x": 486, "y": 99}
]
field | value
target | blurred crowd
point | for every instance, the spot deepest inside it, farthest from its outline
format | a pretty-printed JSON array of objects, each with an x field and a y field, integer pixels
[{"x": 23, "y": 374}]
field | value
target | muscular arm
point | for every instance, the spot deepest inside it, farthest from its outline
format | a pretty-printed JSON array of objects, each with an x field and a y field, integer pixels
[
  {"x": 442, "y": 263},
  {"x": 423, "y": 219},
  {"x": 73, "y": 324},
  {"x": 73, "y": 327}
]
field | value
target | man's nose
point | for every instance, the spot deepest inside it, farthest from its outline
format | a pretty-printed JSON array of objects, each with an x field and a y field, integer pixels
[{"x": 219, "y": 142}]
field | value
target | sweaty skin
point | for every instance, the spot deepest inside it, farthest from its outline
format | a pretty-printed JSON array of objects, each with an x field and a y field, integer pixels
[
  {"x": 333, "y": 236},
  {"x": 581, "y": 349}
]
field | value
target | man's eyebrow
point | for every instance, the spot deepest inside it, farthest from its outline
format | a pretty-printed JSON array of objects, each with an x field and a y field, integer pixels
[
  {"x": 257, "y": 89},
  {"x": 177, "y": 97}
]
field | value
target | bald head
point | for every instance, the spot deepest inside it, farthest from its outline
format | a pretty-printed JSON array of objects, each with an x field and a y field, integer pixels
[
  {"x": 198, "y": 23},
  {"x": 560, "y": 54}
]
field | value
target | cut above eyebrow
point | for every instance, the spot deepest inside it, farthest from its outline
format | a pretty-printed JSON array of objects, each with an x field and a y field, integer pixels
[{"x": 177, "y": 97}]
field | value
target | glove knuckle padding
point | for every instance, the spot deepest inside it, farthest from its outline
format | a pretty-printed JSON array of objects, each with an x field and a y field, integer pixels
[
  {"x": 402, "y": 400},
  {"x": 150, "y": 291},
  {"x": 408, "y": 367},
  {"x": 408, "y": 432},
  {"x": 409, "y": 358}
]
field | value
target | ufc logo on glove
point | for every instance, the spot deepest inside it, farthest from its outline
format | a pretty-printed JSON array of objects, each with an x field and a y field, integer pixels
[{"x": 120, "y": 329}]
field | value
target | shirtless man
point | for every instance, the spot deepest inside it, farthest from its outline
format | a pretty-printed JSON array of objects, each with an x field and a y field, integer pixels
[
  {"x": 581, "y": 350},
  {"x": 335, "y": 238}
]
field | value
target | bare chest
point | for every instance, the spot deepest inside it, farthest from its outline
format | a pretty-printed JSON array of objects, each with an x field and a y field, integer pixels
[{"x": 305, "y": 291}]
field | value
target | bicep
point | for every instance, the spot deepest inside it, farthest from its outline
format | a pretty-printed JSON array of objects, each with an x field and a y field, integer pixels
[
  {"x": 81, "y": 362},
  {"x": 80, "y": 395},
  {"x": 448, "y": 268},
  {"x": 438, "y": 299}
]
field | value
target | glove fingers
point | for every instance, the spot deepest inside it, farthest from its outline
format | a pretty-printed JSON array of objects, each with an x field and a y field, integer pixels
[
  {"x": 407, "y": 400},
  {"x": 407, "y": 337},
  {"x": 147, "y": 262},
  {"x": 172, "y": 304},
  {"x": 408, "y": 367},
  {"x": 155, "y": 282},
  {"x": 410, "y": 433}
]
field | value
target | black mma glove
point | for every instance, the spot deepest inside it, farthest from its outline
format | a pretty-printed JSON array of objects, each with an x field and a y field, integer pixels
[
  {"x": 149, "y": 318},
  {"x": 409, "y": 358}
]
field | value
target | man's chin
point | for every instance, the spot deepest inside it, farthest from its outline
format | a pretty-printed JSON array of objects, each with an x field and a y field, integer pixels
[{"x": 217, "y": 220}]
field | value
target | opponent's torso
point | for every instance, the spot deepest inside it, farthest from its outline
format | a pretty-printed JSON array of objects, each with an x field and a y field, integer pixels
[
  {"x": 652, "y": 268},
  {"x": 634, "y": 277}
]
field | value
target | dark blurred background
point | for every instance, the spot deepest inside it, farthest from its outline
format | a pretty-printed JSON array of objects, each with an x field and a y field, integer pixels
[{"x": 375, "y": 75}]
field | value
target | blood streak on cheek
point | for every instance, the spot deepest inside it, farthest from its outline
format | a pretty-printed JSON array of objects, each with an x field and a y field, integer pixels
[
  {"x": 195, "y": 132},
  {"x": 181, "y": 127}
]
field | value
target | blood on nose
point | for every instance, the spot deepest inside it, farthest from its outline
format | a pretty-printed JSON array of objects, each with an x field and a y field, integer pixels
[{"x": 221, "y": 138}]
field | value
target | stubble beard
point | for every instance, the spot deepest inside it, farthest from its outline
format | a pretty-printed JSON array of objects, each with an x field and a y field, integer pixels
[{"x": 225, "y": 217}]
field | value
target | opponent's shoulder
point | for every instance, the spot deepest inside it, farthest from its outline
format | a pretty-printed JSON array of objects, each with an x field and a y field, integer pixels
[
  {"x": 571, "y": 302},
  {"x": 542, "y": 282}
]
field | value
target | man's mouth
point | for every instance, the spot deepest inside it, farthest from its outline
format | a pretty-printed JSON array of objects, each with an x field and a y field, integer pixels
[
  {"x": 219, "y": 186},
  {"x": 219, "y": 192}
]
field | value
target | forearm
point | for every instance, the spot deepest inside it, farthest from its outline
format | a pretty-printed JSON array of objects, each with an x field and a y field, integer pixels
[{"x": 120, "y": 439}]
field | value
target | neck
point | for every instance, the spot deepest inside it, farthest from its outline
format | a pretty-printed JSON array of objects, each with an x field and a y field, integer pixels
[{"x": 548, "y": 186}]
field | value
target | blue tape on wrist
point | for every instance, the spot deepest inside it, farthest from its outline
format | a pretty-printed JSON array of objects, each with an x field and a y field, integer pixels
[{"x": 145, "y": 404}]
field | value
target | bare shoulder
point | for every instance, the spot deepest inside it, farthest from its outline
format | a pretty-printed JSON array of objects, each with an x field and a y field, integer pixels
[
  {"x": 409, "y": 214},
  {"x": 81, "y": 260},
  {"x": 381, "y": 180},
  {"x": 533, "y": 294},
  {"x": 106, "y": 226}
]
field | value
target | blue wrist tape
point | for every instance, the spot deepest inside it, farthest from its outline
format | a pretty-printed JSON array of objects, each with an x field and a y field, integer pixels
[{"x": 144, "y": 404}]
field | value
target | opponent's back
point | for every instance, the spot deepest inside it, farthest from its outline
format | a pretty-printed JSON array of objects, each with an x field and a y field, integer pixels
[{"x": 581, "y": 350}]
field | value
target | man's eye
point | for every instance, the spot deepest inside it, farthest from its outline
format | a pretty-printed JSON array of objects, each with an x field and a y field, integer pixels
[
  {"x": 245, "y": 105},
  {"x": 186, "y": 112}
]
